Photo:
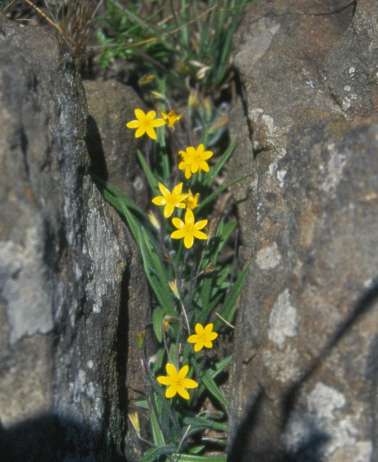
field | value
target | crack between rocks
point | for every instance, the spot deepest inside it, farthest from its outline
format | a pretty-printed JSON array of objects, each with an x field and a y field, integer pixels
[
  {"x": 24, "y": 150},
  {"x": 242, "y": 94}
]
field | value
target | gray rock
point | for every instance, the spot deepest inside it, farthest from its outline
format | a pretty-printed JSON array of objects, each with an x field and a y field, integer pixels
[
  {"x": 65, "y": 266},
  {"x": 303, "y": 381}
]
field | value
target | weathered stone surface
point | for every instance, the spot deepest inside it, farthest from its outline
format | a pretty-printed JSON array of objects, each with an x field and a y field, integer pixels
[
  {"x": 304, "y": 381},
  {"x": 65, "y": 265},
  {"x": 112, "y": 148}
]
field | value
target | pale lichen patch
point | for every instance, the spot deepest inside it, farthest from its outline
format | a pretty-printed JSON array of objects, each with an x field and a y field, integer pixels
[
  {"x": 324, "y": 400},
  {"x": 25, "y": 285},
  {"x": 335, "y": 169},
  {"x": 283, "y": 320},
  {"x": 268, "y": 257},
  {"x": 283, "y": 366}
]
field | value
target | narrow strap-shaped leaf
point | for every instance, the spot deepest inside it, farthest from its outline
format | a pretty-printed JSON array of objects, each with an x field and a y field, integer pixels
[
  {"x": 195, "y": 458},
  {"x": 154, "y": 454},
  {"x": 151, "y": 179},
  {"x": 157, "y": 434},
  {"x": 227, "y": 312},
  {"x": 214, "y": 390},
  {"x": 220, "y": 366},
  {"x": 203, "y": 423}
]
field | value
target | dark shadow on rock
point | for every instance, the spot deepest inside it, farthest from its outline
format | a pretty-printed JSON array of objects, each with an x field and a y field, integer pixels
[
  {"x": 310, "y": 450},
  {"x": 47, "y": 438},
  {"x": 361, "y": 308},
  {"x": 122, "y": 346},
  {"x": 96, "y": 150}
]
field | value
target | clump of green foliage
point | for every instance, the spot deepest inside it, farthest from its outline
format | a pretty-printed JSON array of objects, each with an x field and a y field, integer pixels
[
  {"x": 195, "y": 288},
  {"x": 184, "y": 40}
]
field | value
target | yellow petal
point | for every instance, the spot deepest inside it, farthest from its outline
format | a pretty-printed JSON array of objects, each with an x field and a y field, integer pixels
[
  {"x": 188, "y": 173},
  {"x": 178, "y": 234},
  {"x": 150, "y": 115},
  {"x": 177, "y": 223},
  {"x": 213, "y": 336},
  {"x": 207, "y": 155},
  {"x": 193, "y": 338},
  {"x": 164, "y": 380},
  {"x": 198, "y": 328},
  {"x": 200, "y": 224},
  {"x": 208, "y": 344},
  {"x": 189, "y": 217},
  {"x": 188, "y": 241},
  {"x": 198, "y": 347},
  {"x": 200, "y": 235},
  {"x": 158, "y": 123},
  {"x": 159, "y": 200},
  {"x": 139, "y": 114},
  {"x": 163, "y": 189},
  {"x": 189, "y": 383},
  {"x": 151, "y": 133},
  {"x": 209, "y": 328},
  {"x": 177, "y": 189},
  {"x": 133, "y": 124},
  {"x": 183, "y": 372},
  {"x": 168, "y": 210},
  {"x": 182, "y": 392},
  {"x": 171, "y": 392},
  {"x": 171, "y": 369},
  {"x": 140, "y": 132},
  {"x": 204, "y": 166}
]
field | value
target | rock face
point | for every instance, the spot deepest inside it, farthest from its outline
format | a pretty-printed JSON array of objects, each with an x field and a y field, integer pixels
[
  {"x": 305, "y": 377},
  {"x": 65, "y": 266}
]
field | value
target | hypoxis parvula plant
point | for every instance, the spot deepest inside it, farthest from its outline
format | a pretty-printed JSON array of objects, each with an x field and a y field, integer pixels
[{"x": 187, "y": 249}]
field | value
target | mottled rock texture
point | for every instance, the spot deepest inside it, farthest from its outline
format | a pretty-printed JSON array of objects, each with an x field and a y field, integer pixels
[
  {"x": 304, "y": 378},
  {"x": 65, "y": 268}
]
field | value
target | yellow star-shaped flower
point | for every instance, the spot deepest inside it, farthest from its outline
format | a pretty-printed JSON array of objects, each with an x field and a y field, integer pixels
[
  {"x": 188, "y": 229},
  {"x": 194, "y": 160},
  {"x": 176, "y": 381},
  {"x": 191, "y": 201},
  {"x": 170, "y": 200},
  {"x": 203, "y": 336},
  {"x": 171, "y": 118},
  {"x": 145, "y": 123}
]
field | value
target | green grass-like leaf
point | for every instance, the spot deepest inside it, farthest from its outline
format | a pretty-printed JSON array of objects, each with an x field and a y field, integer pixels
[{"x": 196, "y": 458}]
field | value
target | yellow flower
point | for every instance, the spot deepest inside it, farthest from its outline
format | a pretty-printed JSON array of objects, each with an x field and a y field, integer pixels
[
  {"x": 203, "y": 337},
  {"x": 191, "y": 200},
  {"x": 194, "y": 160},
  {"x": 176, "y": 381},
  {"x": 170, "y": 200},
  {"x": 145, "y": 123},
  {"x": 170, "y": 118},
  {"x": 188, "y": 229}
]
